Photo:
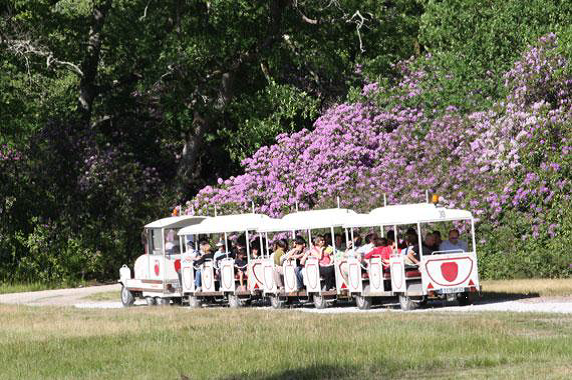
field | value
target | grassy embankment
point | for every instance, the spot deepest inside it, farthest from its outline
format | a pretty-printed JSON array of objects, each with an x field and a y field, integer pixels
[
  {"x": 167, "y": 342},
  {"x": 170, "y": 342}
]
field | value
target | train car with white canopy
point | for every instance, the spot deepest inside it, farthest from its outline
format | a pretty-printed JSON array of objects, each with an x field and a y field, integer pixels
[
  {"x": 445, "y": 274},
  {"x": 156, "y": 274},
  {"x": 219, "y": 278},
  {"x": 304, "y": 222}
]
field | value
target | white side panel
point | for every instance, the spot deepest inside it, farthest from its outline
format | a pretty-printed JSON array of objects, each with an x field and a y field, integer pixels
[
  {"x": 187, "y": 273},
  {"x": 312, "y": 277},
  {"x": 227, "y": 271},
  {"x": 397, "y": 267},
  {"x": 449, "y": 271},
  {"x": 341, "y": 284},
  {"x": 256, "y": 275},
  {"x": 289, "y": 277},
  {"x": 354, "y": 276},
  {"x": 375, "y": 271},
  {"x": 268, "y": 282},
  {"x": 141, "y": 267},
  {"x": 208, "y": 277}
]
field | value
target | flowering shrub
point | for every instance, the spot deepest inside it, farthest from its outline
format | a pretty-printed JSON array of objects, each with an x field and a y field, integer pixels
[{"x": 510, "y": 165}]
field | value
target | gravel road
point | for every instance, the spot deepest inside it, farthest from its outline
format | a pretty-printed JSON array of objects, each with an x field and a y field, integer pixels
[
  {"x": 57, "y": 297},
  {"x": 76, "y": 297}
]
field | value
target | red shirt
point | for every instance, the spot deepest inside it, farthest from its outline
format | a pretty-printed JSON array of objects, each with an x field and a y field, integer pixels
[{"x": 383, "y": 252}]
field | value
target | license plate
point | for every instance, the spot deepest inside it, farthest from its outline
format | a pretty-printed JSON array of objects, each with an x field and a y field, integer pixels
[{"x": 452, "y": 290}]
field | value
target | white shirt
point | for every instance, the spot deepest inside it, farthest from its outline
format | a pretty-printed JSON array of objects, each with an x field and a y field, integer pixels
[
  {"x": 447, "y": 245},
  {"x": 365, "y": 249}
]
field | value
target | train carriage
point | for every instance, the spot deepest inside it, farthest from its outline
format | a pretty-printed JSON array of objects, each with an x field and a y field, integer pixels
[
  {"x": 450, "y": 275},
  {"x": 156, "y": 273},
  {"x": 219, "y": 279},
  {"x": 306, "y": 222}
]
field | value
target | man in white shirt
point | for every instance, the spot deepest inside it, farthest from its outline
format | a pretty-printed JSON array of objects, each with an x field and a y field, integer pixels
[
  {"x": 454, "y": 244},
  {"x": 368, "y": 246}
]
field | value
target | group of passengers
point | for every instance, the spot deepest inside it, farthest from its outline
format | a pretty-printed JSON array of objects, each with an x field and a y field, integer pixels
[{"x": 368, "y": 247}]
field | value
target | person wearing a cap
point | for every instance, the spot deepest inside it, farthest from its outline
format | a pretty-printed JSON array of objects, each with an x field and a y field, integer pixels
[{"x": 220, "y": 251}]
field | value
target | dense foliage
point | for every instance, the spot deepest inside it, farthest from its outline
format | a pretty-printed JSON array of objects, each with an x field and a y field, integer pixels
[
  {"x": 114, "y": 111},
  {"x": 510, "y": 165}
]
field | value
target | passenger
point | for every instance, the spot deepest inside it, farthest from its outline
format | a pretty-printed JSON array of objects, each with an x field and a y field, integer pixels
[
  {"x": 427, "y": 248},
  {"x": 205, "y": 254},
  {"x": 220, "y": 252},
  {"x": 340, "y": 244},
  {"x": 325, "y": 261},
  {"x": 279, "y": 247},
  {"x": 438, "y": 240},
  {"x": 255, "y": 251},
  {"x": 411, "y": 251},
  {"x": 453, "y": 244},
  {"x": 368, "y": 246},
  {"x": 241, "y": 266},
  {"x": 295, "y": 255},
  {"x": 380, "y": 250}
]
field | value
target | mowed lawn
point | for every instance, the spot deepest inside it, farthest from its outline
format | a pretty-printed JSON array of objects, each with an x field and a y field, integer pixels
[{"x": 179, "y": 343}]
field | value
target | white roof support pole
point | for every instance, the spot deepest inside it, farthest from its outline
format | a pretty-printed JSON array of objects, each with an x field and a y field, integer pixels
[
  {"x": 338, "y": 199},
  {"x": 419, "y": 233},
  {"x": 352, "y": 234},
  {"x": 247, "y": 246},
  {"x": 261, "y": 250},
  {"x": 196, "y": 242},
  {"x": 310, "y": 239},
  {"x": 396, "y": 237},
  {"x": 346, "y": 233},
  {"x": 427, "y": 196},
  {"x": 384, "y": 200},
  {"x": 226, "y": 243},
  {"x": 182, "y": 247},
  {"x": 267, "y": 248},
  {"x": 382, "y": 231},
  {"x": 333, "y": 239},
  {"x": 474, "y": 238}
]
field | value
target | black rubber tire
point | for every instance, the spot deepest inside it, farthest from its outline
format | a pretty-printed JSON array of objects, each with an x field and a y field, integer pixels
[
  {"x": 177, "y": 301},
  {"x": 464, "y": 299},
  {"x": 363, "y": 303},
  {"x": 127, "y": 298},
  {"x": 319, "y": 301},
  {"x": 234, "y": 302},
  {"x": 276, "y": 302},
  {"x": 194, "y": 302},
  {"x": 407, "y": 304},
  {"x": 151, "y": 301},
  {"x": 163, "y": 301}
]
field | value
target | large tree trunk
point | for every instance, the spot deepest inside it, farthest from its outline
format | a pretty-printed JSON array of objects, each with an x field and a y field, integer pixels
[{"x": 88, "y": 89}]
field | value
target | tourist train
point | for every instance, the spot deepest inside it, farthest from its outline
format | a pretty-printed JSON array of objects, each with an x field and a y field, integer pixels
[{"x": 316, "y": 257}]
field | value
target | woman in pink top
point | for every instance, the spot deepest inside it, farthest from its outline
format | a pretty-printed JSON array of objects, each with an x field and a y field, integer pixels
[{"x": 325, "y": 260}]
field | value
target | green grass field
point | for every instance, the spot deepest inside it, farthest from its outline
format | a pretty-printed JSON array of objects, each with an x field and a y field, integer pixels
[{"x": 174, "y": 343}]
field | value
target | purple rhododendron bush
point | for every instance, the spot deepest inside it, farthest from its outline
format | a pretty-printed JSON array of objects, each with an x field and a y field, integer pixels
[{"x": 510, "y": 165}]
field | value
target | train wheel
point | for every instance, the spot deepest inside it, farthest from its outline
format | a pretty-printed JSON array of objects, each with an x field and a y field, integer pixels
[
  {"x": 276, "y": 302},
  {"x": 177, "y": 301},
  {"x": 194, "y": 302},
  {"x": 163, "y": 301},
  {"x": 127, "y": 298},
  {"x": 234, "y": 302},
  {"x": 320, "y": 302},
  {"x": 363, "y": 303},
  {"x": 407, "y": 304},
  {"x": 463, "y": 299},
  {"x": 151, "y": 301}
]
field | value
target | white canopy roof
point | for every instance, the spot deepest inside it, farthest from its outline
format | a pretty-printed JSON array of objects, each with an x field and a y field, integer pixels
[
  {"x": 274, "y": 225},
  {"x": 407, "y": 214},
  {"x": 176, "y": 221},
  {"x": 227, "y": 223},
  {"x": 305, "y": 220}
]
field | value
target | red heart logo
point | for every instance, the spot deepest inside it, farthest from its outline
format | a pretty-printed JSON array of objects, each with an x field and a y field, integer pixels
[
  {"x": 450, "y": 271},
  {"x": 156, "y": 268}
]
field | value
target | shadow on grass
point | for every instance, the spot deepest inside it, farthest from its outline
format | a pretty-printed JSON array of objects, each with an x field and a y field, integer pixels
[
  {"x": 309, "y": 372},
  {"x": 493, "y": 297}
]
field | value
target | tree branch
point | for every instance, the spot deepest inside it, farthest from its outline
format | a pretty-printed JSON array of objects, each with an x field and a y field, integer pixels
[{"x": 25, "y": 48}]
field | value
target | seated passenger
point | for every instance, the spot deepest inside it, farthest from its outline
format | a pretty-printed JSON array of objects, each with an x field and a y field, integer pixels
[
  {"x": 325, "y": 261},
  {"x": 383, "y": 251},
  {"x": 279, "y": 247},
  {"x": 295, "y": 256},
  {"x": 426, "y": 249},
  {"x": 241, "y": 267},
  {"x": 205, "y": 254},
  {"x": 411, "y": 250},
  {"x": 368, "y": 246},
  {"x": 340, "y": 245},
  {"x": 255, "y": 251},
  {"x": 438, "y": 240},
  {"x": 454, "y": 244},
  {"x": 220, "y": 252}
]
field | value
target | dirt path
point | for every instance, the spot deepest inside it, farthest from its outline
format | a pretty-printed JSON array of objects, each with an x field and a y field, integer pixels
[
  {"x": 76, "y": 297},
  {"x": 58, "y": 297}
]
